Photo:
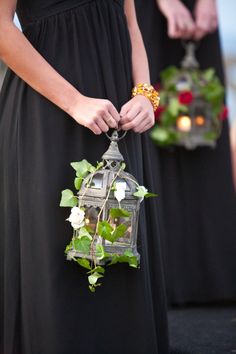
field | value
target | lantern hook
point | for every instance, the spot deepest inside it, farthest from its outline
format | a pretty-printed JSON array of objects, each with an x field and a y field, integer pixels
[
  {"x": 115, "y": 136},
  {"x": 189, "y": 61},
  {"x": 112, "y": 156}
]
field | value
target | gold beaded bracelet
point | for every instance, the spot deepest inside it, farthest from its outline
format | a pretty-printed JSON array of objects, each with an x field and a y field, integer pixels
[{"x": 149, "y": 92}]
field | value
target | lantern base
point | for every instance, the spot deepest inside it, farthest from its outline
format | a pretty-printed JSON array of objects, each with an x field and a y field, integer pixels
[
  {"x": 109, "y": 251},
  {"x": 192, "y": 142}
]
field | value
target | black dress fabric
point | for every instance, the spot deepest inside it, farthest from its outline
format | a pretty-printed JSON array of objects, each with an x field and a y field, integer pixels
[
  {"x": 199, "y": 203},
  {"x": 46, "y": 307}
]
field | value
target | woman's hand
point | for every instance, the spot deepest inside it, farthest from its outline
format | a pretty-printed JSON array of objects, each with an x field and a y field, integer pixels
[
  {"x": 96, "y": 114},
  {"x": 137, "y": 114},
  {"x": 180, "y": 21},
  {"x": 205, "y": 17}
]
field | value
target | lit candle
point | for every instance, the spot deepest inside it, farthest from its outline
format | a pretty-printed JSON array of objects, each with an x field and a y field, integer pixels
[
  {"x": 87, "y": 221},
  {"x": 200, "y": 121},
  {"x": 184, "y": 123}
]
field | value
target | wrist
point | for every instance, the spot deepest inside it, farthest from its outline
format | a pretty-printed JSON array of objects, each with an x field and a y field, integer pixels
[
  {"x": 75, "y": 99},
  {"x": 149, "y": 92}
]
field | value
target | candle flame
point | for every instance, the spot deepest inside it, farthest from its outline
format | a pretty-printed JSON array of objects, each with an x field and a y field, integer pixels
[{"x": 184, "y": 123}]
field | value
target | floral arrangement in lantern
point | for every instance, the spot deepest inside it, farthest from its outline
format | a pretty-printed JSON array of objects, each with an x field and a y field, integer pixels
[
  {"x": 192, "y": 105},
  {"x": 104, "y": 214}
]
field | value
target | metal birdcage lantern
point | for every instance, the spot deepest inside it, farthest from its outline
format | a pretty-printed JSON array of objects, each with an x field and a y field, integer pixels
[
  {"x": 97, "y": 198},
  {"x": 199, "y": 127},
  {"x": 192, "y": 102}
]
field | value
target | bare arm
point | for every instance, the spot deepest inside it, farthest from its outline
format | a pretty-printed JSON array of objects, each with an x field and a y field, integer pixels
[
  {"x": 22, "y": 58},
  {"x": 139, "y": 56},
  {"x": 17, "y": 52},
  {"x": 137, "y": 114}
]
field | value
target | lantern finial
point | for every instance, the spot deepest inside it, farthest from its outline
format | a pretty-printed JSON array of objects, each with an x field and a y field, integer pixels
[
  {"x": 190, "y": 62},
  {"x": 113, "y": 156}
]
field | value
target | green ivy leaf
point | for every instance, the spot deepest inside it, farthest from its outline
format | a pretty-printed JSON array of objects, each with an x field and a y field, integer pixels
[
  {"x": 133, "y": 262},
  {"x": 163, "y": 98},
  {"x": 68, "y": 199},
  {"x": 211, "y": 136},
  {"x": 69, "y": 247},
  {"x": 93, "y": 278},
  {"x": 99, "y": 165},
  {"x": 105, "y": 230},
  {"x": 119, "y": 232},
  {"x": 127, "y": 257},
  {"x": 92, "y": 288},
  {"x": 123, "y": 166},
  {"x": 128, "y": 253},
  {"x": 167, "y": 118},
  {"x": 132, "y": 259},
  {"x": 78, "y": 182},
  {"x": 208, "y": 74},
  {"x": 100, "y": 252},
  {"x": 82, "y": 245},
  {"x": 83, "y": 168},
  {"x": 84, "y": 263},
  {"x": 168, "y": 73},
  {"x": 162, "y": 136},
  {"x": 98, "y": 269},
  {"x": 141, "y": 192},
  {"x": 213, "y": 92},
  {"x": 174, "y": 106},
  {"x": 195, "y": 77},
  {"x": 89, "y": 229},
  {"x": 119, "y": 213},
  {"x": 151, "y": 195},
  {"x": 84, "y": 232}
]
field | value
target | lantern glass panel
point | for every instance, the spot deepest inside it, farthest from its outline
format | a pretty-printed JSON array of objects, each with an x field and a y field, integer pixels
[
  {"x": 118, "y": 180},
  {"x": 126, "y": 238},
  {"x": 91, "y": 216},
  {"x": 97, "y": 181}
]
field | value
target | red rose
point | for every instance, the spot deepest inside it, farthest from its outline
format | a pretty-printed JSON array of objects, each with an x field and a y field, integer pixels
[
  {"x": 224, "y": 113},
  {"x": 158, "y": 112},
  {"x": 185, "y": 97}
]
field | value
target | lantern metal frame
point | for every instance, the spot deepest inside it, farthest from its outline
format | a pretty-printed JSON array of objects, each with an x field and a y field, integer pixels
[{"x": 96, "y": 196}]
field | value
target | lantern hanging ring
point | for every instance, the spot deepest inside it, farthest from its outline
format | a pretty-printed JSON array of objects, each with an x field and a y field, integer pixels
[
  {"x": 189, "y": 61},
  {"x": 185, "y": 43},
  {"x": 115, "y": 136}
]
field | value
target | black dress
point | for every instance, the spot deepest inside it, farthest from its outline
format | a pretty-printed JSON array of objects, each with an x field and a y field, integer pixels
[
  {"x": 199, "y": 202},
  {"x": 46, "y": 307}
]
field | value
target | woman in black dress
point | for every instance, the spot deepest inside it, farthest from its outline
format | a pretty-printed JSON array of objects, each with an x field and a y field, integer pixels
[
  {"x": 74, "y": 73},
  {"x": 197, "y": 190}
]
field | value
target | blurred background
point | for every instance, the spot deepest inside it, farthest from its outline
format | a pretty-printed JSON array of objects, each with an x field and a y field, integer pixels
[{"x": 227, "y": 10}]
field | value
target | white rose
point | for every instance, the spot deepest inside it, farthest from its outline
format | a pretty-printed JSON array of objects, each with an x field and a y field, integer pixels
[
  {"x": 120, "y": 191},
  {"x": 76, "y": 218}
]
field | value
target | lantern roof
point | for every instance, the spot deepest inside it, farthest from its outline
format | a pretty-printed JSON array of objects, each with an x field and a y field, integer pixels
[{"x": 98, "y": 184}]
